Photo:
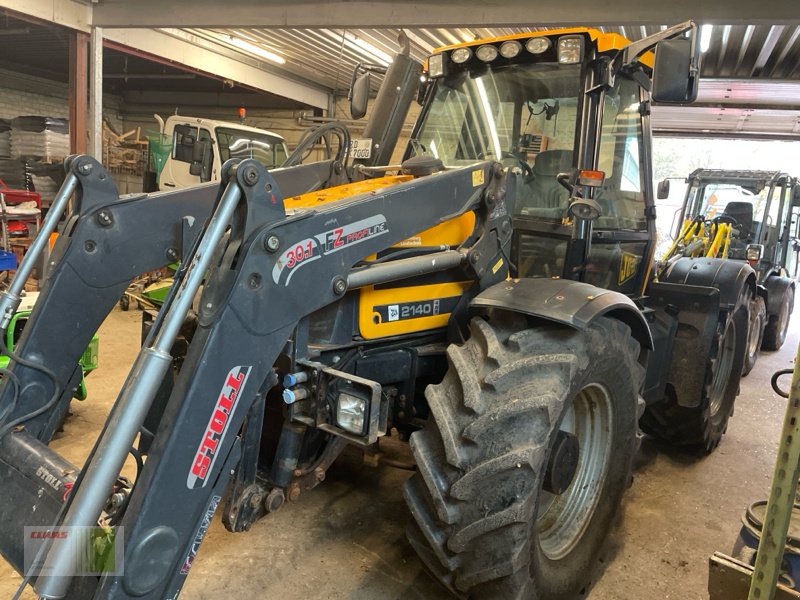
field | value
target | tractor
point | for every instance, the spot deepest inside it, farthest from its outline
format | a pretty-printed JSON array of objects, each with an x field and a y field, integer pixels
[
  {"x": 493, "y": 303},
  {"x": 745, "y": 216}
]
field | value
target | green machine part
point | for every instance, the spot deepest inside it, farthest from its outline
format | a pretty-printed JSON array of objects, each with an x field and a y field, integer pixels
[{"x": 88, "y": 360}]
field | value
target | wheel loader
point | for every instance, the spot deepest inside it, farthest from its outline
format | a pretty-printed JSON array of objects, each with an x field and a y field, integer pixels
[
  {"x": 493, "y": 303},
  {"x": 745, "y": 216}
]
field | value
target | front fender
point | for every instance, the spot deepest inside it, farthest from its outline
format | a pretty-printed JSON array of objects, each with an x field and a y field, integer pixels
[
  {"x": 571, "y": 303},
  {"x": 727, "y": 275}
]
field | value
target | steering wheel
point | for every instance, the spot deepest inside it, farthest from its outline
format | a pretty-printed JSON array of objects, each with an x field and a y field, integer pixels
[
  {"x": 726, "y": 219},
  {"x": 527, "y": 172}
]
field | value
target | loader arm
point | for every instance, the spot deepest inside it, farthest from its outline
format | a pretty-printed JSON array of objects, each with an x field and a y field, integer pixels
[
  {"x": 106, "y": 242},
  {"x": 270, "y": 270}
]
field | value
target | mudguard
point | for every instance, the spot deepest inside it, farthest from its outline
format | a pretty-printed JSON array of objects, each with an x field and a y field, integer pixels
[
  {"x": 728, "y": 276},
  {"x": 686, "y": 317},
  {"x": 571, "y": 303},
  {"x": 776, "y": 287}
]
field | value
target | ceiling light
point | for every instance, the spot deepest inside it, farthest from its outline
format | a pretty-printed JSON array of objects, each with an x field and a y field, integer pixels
[
  {"x": 257, "y": 50},
  {"x": 374, "y": 52},
  {"x": 705, "y": 37}
]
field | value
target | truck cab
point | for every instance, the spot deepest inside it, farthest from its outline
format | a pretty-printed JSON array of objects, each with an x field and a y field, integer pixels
[{"x": 201, "y": 146}]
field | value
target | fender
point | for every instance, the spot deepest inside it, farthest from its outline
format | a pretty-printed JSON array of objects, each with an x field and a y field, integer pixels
[
  {"x": 728, "y": 276},
  {"x": 776, "y": 287},
  {"x": 571, "y": 303}
]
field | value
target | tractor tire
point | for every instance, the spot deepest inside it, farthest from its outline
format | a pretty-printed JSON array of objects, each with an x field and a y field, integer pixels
[
  {"x": 484, "y": 524},
  {"x": 702, "y": 427},
  {"x": 755, "y": 333},
  {"x": 775, "y": 332}
]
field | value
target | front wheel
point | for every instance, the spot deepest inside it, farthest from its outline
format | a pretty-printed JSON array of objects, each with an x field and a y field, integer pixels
[{"x": 524, "y": 463}]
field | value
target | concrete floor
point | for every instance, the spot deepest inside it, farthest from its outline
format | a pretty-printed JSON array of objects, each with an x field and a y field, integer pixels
[{"x": 345, "y": 539}]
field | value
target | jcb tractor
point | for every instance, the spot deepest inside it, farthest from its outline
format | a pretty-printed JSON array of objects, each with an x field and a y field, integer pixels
[
  {"x": 745, "y": 216},
  {"x": 493, "y": 304}
]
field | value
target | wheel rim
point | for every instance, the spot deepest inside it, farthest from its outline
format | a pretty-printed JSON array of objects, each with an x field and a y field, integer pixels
[
  {"x": 784, "y": 317},
  {"x": 562, "y": 519},
  {"x": 755, "y": 334},
  {"x": 722, "y": 366}
]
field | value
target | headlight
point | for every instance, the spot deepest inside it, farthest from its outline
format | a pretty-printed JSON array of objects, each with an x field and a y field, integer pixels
[
  {"x": 486, "y": 53},
  {"x": 510, "y": 49},
  {"x": 753, "y": 253},
  {"x": 570, "y": 50},
  {"x": 351, "y": 413},
  {"x": 538, "y": 45},
  {"x": 435, "y": 65},
  {"x": 460, "y": 55}
]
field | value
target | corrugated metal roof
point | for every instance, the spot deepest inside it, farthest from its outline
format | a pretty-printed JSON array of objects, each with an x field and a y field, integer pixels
[{"x": 327, "y": 57}]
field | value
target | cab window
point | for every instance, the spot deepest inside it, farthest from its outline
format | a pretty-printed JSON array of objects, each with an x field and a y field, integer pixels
[{"x": 621, "y": 197}]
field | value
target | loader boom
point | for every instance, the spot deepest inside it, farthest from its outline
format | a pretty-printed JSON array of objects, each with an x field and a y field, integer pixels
[{"x": 191, "y": 458}]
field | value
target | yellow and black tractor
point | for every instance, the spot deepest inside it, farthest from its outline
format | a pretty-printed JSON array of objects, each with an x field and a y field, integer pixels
[
  {"x": 493, "y": 303},
  {"x": 745, "y": 216}
]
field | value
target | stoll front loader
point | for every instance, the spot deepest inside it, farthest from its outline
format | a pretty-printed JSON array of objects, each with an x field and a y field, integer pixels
[
  {"x": 746, "y": 216},
  {"x": 493, "y": 304}
]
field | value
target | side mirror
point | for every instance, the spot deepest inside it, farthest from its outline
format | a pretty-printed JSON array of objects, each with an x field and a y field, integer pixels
[
  {"x": 359, "y": 95},
  {"x": 677, "y": 70},
  {"x": 662, "y": 193},
  {"x": 201, "y": 160}
]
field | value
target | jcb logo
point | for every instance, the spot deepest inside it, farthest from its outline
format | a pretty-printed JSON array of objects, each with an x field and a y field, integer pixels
[{"x": 627, "y": 267}]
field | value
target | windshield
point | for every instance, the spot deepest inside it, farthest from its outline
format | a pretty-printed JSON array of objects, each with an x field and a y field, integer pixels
[
  {"x": 524, "y": 115},
  {"x": 236, "y": 143},
  {"x": 510, "y": 112}
]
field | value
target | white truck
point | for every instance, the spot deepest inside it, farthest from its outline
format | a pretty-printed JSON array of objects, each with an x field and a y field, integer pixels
[{"x": 201, "y": 146}]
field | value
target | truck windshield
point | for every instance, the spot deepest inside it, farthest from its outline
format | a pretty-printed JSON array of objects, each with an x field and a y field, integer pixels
[{"x": 236, "y": 143}]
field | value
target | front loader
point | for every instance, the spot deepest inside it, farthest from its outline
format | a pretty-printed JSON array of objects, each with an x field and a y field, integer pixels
[
  {"x": 745, "y": 216},
  {"x": 493, "y": 304}
]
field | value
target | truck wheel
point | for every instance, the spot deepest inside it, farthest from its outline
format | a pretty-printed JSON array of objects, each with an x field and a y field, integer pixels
[
  {"x": 523, "y": 465},
  {"x": 775, "y": 332},
  {"x": 703, "y": 426},
  {"x": 755, "y": 333}
]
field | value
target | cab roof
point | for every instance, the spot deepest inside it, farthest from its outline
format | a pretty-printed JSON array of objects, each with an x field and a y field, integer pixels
[{"x": 605, "y": 41}]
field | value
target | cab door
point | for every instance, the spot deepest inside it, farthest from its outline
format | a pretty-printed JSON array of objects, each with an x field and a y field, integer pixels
[
  {"x": 192, "y": 154},
  {"x": 624, "y": 234}
]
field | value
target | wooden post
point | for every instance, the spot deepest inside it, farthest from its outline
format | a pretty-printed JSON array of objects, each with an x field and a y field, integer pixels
[{"x": 78, "y": 91}]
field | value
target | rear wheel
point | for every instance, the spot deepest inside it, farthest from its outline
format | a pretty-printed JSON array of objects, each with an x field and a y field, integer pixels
[
  {"x": 775, "y": 332},
  {"x": 703, "y": 426},
  {"x": 755, "y": 333},
  {"x": 525, "y": 460}
]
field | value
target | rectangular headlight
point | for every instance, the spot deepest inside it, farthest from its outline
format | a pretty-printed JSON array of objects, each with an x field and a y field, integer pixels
[
  {"x": 570, "y": 49},
  {"x": 754, "y": 252},
  {"x": 436, "y": 65},
  {"x": 351, "y": 412}
]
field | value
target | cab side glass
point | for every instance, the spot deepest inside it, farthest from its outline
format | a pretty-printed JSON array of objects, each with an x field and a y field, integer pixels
[{"x": 673, "y": 80}]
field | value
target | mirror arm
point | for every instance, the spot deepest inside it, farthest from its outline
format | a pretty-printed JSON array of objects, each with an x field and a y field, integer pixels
[{"x": 635, "y": 49}]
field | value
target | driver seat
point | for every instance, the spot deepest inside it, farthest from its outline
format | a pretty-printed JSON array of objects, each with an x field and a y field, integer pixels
[
  {"x": 743, "y": 213},
  {"x": 545, "y": 190}
]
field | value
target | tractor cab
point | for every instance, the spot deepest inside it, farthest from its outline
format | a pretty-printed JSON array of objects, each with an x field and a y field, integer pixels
[
  {"x": 568, "y": 110},
  {"x": 757, "y": 204}
]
